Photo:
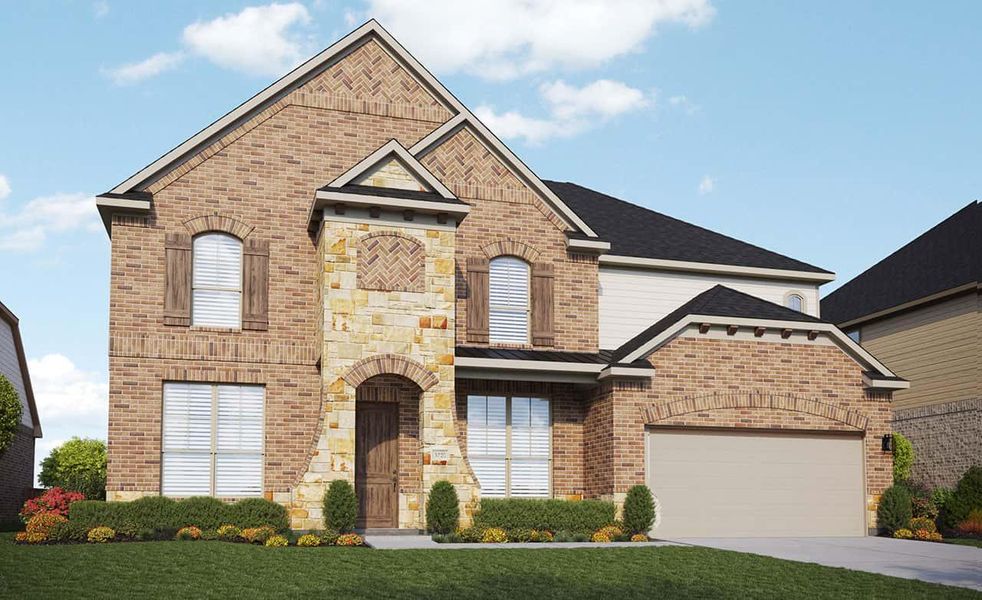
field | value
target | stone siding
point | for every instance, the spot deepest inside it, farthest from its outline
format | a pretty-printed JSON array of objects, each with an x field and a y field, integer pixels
[{"x": 945, "y": 438}]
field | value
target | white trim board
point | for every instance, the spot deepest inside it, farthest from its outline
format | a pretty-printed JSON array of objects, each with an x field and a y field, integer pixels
[
  {"x": 394, "y": 149},
  {"x": 699, "y": 267}
]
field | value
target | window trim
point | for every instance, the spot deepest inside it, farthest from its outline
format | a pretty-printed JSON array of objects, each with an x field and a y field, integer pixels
[
  {"x": 216, "y": 288},
  {"x": 801, "y": 296},
  {"x": 508, "y": 309},
  {"x": 508, "y": 442},
  {"x": 213, "y": 447}
]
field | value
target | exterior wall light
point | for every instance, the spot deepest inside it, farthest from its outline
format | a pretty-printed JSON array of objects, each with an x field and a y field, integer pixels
[{"x": 887, "y": 443}]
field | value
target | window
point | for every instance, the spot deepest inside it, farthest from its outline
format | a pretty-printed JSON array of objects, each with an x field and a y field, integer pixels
[
  {"x": 508, "y": 445},
  {"x": 508, "y": 301},
  {"x": 854, "y": 335},
  {"x": 212, "y": 440},
  {"x": 216, "y": 297},
  {"x": 795, "y": 302}
]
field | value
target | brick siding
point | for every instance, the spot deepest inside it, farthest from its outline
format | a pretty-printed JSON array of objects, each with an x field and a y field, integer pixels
[
  {"x": 16, "y": 473},
  {"x": 945, "y": 439}
]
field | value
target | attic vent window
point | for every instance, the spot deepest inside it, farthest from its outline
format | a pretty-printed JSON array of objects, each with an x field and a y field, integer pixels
[{"x": 795, "y": 302}]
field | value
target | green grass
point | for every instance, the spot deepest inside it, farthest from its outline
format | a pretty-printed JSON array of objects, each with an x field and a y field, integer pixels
[
  {"x": 965, "y": 541},
  {"x": 216, "y": 569}
]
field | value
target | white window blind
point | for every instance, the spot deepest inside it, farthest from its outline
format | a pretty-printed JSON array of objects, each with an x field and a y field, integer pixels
[
  {"x": 212, "y": 440},
  {"x": 216, "y": 296},
  {"x": 508, "y": 291},
  {"x": 508, "y": 445}
]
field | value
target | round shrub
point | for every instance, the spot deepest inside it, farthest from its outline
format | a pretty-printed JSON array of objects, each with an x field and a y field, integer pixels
[
  {"x": 55, "y": 500},
  {"x": 188, "y": 534},
  {"x": 927, "y": 536},
  {"x": 340, "y": 506},
  {"x": 78, "y": 465},
  {"x": 29, "y": 537},
  {"x": 349, "y": 539},
  {"x": 10, "y": 413},
  {"x": 329, "y": 538},
  {"x": 257, "y": 535},
  {"x": 600, "y": 537},
  {"x": 228, "y": 533},
  {"x": 639, "y": 510},
  {"x": 100, "y": 535},
  {"x": 966, "y": 497},
  {"x": 443, "y": 508},
  {"x": 894, "y": 511},
  {"x": 639, "y": 537},
  {"x": 922, "y": 523},
  {"x": 494, "y": 535},
  {"x": 256, "y": 512},
  {"x": 200, "y": 511},
  {"x": 44, "y": 522},
  {"x": 276, "y": 541},
  {"x": 903, "y": 534},
  {"x": 309, "y": 540},
  {"x": 903, "y": 458},
  {"x": 611, "y": 531}
]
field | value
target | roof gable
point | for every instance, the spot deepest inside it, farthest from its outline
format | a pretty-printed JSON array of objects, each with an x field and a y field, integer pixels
[
  {"x": 391, "y": 167},
  {"x": 25, "y": 376}
]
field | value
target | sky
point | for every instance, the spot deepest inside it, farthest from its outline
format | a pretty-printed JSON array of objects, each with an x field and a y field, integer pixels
[{"x": 833, "y": 132}]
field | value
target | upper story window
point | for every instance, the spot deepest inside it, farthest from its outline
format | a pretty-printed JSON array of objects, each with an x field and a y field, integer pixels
[
  {"x": 508, "y": 301},
  {"x": 854, "y": 335},
  {"x": 795, "y": 302},
  {"x": 216, "y": 289}
]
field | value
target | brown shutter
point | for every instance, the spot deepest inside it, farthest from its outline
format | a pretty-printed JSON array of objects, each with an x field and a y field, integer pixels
[
  {"x": 255, "y": 284},
  {"x": 177, "y": 292},
  {"x": 542, "y": 305},
  {"x": 477, "y": 300}
]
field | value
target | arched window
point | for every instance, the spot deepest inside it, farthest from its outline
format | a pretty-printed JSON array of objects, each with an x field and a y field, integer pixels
[
  {"x": 216, "y": 288},
  {"x": 508, "y": 301},
  {"x": 795, "y": 302}
]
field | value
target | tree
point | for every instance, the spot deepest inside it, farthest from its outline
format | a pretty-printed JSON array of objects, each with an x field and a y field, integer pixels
[
  {"x": 78, "y": 465},
  {"x": 443, "y": 508},
  {"x": 903, "y": 458},
  {"x": 10, "y": 413},
  {"x": 639, "y": 510}
]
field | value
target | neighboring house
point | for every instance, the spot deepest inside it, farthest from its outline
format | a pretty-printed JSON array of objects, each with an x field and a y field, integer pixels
[
  {"x": 349, "y": 276},
  {"x": 918, "y": 310},
  {"x": 17, "y": 461}
]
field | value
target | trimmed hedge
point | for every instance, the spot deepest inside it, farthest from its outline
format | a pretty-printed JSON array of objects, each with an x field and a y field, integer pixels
[
  {"x": 583, "y": 516},
  {"x": 163, "y": 514}
]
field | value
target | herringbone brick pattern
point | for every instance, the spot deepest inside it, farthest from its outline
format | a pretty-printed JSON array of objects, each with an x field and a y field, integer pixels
[{"x": 390, "y": 262}]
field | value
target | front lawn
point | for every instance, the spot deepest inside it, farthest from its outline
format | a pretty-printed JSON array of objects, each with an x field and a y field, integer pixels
[
  {"x": 216, "y": 569},
  {"x": 965, "y": 541}
]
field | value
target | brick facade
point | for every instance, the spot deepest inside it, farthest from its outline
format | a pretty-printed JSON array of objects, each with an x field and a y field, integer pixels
[
  {"x": 945, "y": 438},
  {"x": 16, "y": 473}
]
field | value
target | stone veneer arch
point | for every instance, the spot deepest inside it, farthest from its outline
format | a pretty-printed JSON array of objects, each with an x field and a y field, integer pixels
[
  {"x": 390, "y": 364},
  {"x": 754, "y": 399},
  {"x": 508, "y": 247},
  {"x": 218, "y": 222}
]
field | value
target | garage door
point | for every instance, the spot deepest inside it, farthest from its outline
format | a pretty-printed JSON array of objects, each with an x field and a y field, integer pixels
[{"x": 727, "y": 483}]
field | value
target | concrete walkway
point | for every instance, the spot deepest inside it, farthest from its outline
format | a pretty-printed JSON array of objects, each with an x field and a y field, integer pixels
[
  {"x": 423, "y": 542},
  {"x": 937, "y": 563}
]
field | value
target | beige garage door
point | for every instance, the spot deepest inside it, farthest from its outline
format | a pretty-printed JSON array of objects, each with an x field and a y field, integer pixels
[{"x": 728, "y": 484}]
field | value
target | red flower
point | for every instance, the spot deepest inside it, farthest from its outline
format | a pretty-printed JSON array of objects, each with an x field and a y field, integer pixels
[{"x": 54, "y": 500}]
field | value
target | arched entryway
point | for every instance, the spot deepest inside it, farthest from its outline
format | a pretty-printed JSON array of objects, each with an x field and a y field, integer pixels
[{"x": 388, "y": 464}]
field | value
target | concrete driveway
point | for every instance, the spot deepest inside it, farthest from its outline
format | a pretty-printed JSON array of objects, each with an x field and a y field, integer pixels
[{"x": 938, "y": 563}]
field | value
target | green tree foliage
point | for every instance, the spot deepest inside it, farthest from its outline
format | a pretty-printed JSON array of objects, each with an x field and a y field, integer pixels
[
  {"x": 639, "y": 510},
  {"x": 894, "y": 511},
  {"x": 443, "y": 508},
  {"x": 966, "y": 497},
  {"x": 903, "y": 458},
  {"x": 10, "y": 413},
  {"x": 78, "y": 465},
  {"x": 340, "y": 506}
]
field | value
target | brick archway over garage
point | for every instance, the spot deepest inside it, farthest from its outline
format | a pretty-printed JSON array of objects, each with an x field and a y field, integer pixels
[
  {"x": 754, "y": 399},
  {"x": 390, "y": 364}
]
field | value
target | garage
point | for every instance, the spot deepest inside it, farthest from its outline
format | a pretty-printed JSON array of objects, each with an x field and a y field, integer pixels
[{"x": 732, "y": 483}]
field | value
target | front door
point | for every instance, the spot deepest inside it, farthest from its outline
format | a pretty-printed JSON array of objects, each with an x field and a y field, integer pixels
[{"x": 377, "y": 463}]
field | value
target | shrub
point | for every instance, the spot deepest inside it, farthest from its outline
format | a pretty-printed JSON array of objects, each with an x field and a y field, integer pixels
[
  {"x": 276, "y": 541},
  {"x": 966, "y": 497},
  {"x": 972, "y": 525},
  {"x": 228, "y": 533},
  {"x": 584, "y": 516},
  {"x": 29, "y": 537},
  {"x": 66, "y": 532},
  {"x": 188, "y": 534},
  {"x": 43, "y": 522},
  {"x": 639, "y": 510},
  {"x": 10, "y": 413},
  {"x": 927, "y": 536},
  {"x": 150, "y": 512},
  {"x": 55, "y": 500},
  {"x": 922, "y": 523},
  {"x": 940, "y": 497},
  {"x": 601, "y": 537},
  {"x": 923, "y": 507},
  {"x": 639, "y": 537},
  {"x": 611, "y": 531},
  {"x": 903, "y": 458},
  {"x": 903, "y": 534},
  {"x": 349, "y": 539},
  {"x": 78, "y": 465},
  {"x": 309, "y": 540},
  {"x": 209, "y": 535},
  {"x": 443, "y": 508},
  {"x": 894, "y": 511},
  {"x": 340, "y": 506},
  {"x": 200, "y": 511},
  {"x": 256, "y": 512},
  {"x": 542, "y": 536},
  {"x": 470, "y": 535},
  {"x": 329, "y": 538},
  {"x": 494, "y": 535},
  {"x": 520, "y": 535},
  {"x": 257, "y": 535},
  {"x": 101, "y": 535}
]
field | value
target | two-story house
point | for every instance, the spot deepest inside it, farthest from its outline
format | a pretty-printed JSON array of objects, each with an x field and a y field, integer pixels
[{"x": 349, "y": 276}]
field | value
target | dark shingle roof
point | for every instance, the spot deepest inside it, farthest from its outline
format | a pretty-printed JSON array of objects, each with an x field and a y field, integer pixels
[
  {"x": 947, "y": 256},
  {"x": 633, "y": 230},
  {"x": 604, "y": 357},
  {"x": 718, "y": 301}
]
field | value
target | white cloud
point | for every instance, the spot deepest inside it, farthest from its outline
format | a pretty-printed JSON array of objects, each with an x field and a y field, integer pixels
[
  {"x": 502, "y": 39},
  {"x": 257, "y": 40},
  {"x": 572, "y": 110},
  {"x": 100, "y": 8},
  {"x": 151, "y": 67},
  {"x": 4, "y": 187},
  {"x": 706, "y": 185},
  {"x": 683, "y": 103},
  {"x": 27, "y": 228}
]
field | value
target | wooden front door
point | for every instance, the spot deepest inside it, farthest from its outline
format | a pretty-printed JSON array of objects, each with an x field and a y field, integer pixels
[{"x": 377, "y": 463}]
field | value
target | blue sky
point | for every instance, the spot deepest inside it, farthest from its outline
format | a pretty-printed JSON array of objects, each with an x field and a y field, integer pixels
[{"x": 833, "y": 132}]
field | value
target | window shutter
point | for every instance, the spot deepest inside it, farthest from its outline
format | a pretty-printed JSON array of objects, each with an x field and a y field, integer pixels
[
  {"x": 255, "y": 284},
  {"x": 477, "y": 300},
  {"x": 177, "y": 292},
  {"x": 543, "y": 332}
]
